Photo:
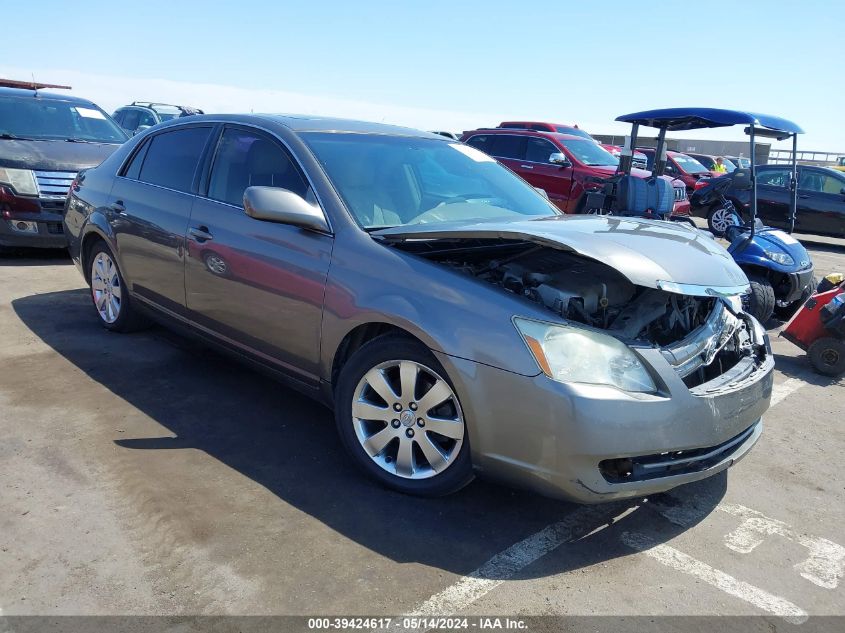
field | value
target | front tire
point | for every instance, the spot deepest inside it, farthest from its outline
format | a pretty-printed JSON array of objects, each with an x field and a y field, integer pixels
[
  {"x": 400, "y": 420},
  {"x": 761, "y": 302},
  {"x": 109, "y": 294},
  {"x": 827, "y": 356}
]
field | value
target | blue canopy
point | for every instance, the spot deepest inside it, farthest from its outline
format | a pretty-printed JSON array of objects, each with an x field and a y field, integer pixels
[{"x": 694, "y": 118}]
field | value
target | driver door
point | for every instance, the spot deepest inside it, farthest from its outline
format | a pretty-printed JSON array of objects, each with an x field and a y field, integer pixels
[{"x": 256, "y": 285}]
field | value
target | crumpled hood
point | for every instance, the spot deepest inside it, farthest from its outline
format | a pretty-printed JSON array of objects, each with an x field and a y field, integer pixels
[
  {"x": 53, "y": 155},
  {"x": 650, "y": 253}
]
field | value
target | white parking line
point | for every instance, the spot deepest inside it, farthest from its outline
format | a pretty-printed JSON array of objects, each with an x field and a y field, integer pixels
[
  {"x": 506, "y": 564},
  {"x": 789, "y": 386},
  {"x": 679, "y": 561}
]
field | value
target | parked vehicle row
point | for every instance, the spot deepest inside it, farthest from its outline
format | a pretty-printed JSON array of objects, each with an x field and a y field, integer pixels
[
  {"x": 565, "y": 166},
  {"x": 139, "y": 115}
]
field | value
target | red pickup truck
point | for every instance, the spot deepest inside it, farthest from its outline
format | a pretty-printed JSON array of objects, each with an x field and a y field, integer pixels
[{"x": 563, "y": 165}]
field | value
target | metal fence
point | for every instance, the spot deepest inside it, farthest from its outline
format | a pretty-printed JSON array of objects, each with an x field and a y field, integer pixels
[{"x": 805, "y": 157}]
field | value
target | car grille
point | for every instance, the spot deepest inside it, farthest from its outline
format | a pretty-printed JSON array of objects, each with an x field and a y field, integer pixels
[
  {"x": 639, "y": 163},
  {"x": 55, "y": 228},
  {"x": 54, "y": 184},
  {"x": 680, "y": 194}
]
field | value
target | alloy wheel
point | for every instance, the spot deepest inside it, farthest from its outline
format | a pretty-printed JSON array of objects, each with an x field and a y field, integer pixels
[
  {"x": 407, "y": 419},
  {"x": 105, "y": 287},
  {"x": 722, "y": 219}
]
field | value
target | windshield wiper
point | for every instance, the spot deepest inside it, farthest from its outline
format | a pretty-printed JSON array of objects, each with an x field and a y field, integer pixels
[
  {"x": 15, "y": 137},
  {"x": 78, "y": 140}
]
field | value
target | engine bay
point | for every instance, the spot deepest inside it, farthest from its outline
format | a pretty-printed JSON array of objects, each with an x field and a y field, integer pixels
[{"x": 586, "y": 291}]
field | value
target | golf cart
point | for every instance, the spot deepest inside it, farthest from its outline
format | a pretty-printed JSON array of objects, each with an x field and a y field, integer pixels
[{"x": 778, "y": 267}]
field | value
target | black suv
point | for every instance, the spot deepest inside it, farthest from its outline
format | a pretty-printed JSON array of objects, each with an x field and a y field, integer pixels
[
  {"x": 45, "y": 140},
  {"x": 139, "y": 115}
]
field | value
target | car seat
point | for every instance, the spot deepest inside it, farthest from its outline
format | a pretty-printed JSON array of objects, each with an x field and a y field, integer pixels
[{"x": 645, "y": 197}]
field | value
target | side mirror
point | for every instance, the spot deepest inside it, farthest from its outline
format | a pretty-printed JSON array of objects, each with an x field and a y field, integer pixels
[
  {"x": 741, "y": 179},
  {"x": 273, "y": 204},
  {"x": 559, "y": 158}
]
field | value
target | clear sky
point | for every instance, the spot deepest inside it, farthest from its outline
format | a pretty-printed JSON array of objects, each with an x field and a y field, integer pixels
[{"x": 445, "y": 65}]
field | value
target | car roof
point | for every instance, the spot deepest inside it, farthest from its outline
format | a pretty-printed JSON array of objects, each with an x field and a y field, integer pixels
[
  {"x": 306, "y": 123},
  {"x": 523, "y": 132},
  {"x": 23, "y": 93}
]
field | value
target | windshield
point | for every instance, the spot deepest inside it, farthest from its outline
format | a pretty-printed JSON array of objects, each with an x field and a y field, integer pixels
[
  {"x": 589, "y": 153},
  {"x": 50, "y": 119},
  {"x": 574, "y": 131},
  {"x": 394, "y": 180},
  {"x": 689, "y": 164}
]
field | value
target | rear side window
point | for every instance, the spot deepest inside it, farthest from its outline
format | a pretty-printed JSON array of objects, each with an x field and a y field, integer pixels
[
  {"x": 172, "y": 158},
  {"x": 133, "y": 169},
  {"x": 774, "y": 177},
  {"x": 506, "y": 146},
  {"x": 245, "y": 159}
]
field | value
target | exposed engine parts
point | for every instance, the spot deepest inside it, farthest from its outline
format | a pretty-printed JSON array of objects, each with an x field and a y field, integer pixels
[{"x": 700, "y": 336}]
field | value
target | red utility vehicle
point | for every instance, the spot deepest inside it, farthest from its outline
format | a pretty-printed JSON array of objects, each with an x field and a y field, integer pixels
[
  {"x": 682, "y": 167},
  {"x": 564, "y": 166},
  {"x": 819, "y": 328}
]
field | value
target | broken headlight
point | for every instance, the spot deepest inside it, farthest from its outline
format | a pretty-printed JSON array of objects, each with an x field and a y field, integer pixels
[{"x": 574, "y": 354}]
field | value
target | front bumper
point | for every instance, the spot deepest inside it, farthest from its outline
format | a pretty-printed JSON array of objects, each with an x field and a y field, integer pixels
[
  {"x": 49, "y": 226},
  {"x": 558, "y": 438},
  {"x": 794, "y": 285}
]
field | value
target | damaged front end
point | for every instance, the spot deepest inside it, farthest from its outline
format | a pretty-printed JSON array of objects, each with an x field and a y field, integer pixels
[{"x": 701, "y": 333}]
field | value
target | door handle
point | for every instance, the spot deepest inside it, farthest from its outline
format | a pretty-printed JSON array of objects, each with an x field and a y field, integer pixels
[
  {"x": 526, "y": 166},
  {"x": 117, "y": 206},
  {"x": 200, "y": 233}
]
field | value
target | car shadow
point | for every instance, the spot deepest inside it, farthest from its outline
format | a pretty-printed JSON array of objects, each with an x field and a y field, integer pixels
[
  {"x": 287, "y": 444},
  {"x": 35, "y": 257}
]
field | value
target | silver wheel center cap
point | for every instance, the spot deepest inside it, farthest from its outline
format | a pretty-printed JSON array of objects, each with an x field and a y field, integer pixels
[{"x": 407, "y": 418}]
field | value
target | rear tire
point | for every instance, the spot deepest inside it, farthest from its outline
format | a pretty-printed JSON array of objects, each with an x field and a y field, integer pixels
[
  {"x": 719, "y": 218},
  {"x": 827, "y": 356},
  {"x": 109, "y": 294},
  {"x": 761, "y": 302},
  {"x": 392, "y": 446}
]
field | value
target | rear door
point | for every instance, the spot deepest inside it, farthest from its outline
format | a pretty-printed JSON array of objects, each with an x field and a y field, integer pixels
[
  {"x": 149, "y": 207},
  {"x": 821, "y": 202},
  {"x": 257, "y": 285}
]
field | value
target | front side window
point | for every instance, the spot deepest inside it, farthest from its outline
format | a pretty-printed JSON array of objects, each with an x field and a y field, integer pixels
[
  {"x": 820, "y": 182},
  {"x": 589, "y": 153},
  {"x": 539, "y": 150},
  {"x": 55, "y": 120},
  {"x": 245, "y": 159},
  {"x": 172, "y": 158},
  {"x": 146, "y": 118},
  {"x": 396, "y": 180}
]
